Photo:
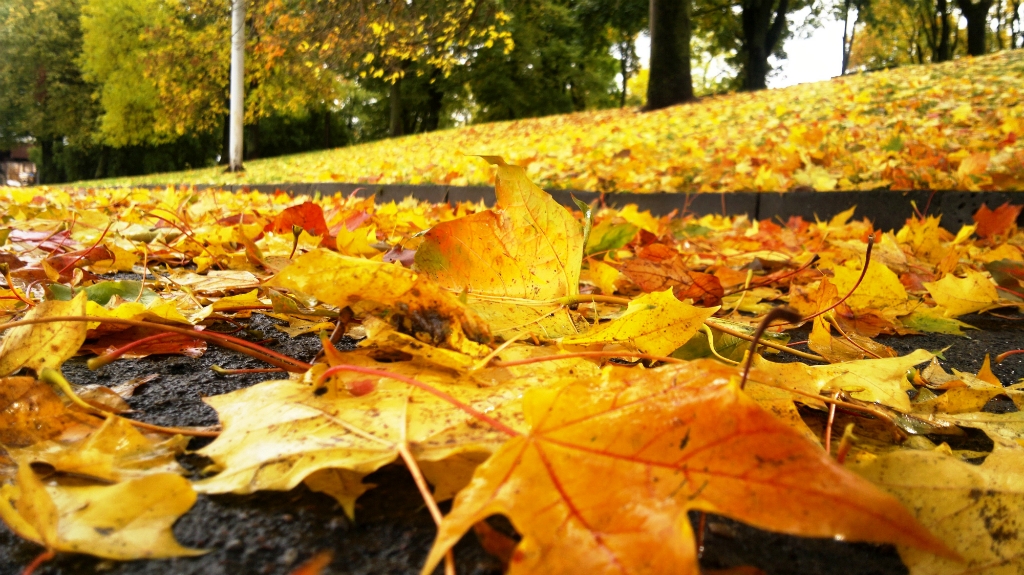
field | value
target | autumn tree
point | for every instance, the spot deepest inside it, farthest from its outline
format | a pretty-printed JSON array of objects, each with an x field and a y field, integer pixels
[{"x": 384, "y": 39}]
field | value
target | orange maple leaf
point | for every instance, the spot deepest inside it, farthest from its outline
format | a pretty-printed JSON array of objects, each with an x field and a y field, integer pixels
[
  {"x": 604, "y": 481},
  {"x": 997, "y": 221}
]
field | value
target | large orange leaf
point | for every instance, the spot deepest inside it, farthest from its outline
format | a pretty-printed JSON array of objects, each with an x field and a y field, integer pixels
[{"x": 603, "y": 482}]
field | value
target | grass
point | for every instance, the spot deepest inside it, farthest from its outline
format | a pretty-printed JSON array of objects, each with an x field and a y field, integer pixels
[{"x": 956, "y": 125}]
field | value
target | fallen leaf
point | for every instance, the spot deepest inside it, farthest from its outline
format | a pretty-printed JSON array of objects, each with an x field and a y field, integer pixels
[
  {"x": 876, "y": 380},
  {"x": 996, "y": 222},
  {"x": 44, "y": 344},
  {"x": 655, "y": 323},
  {"x": 661, "y": 442},
  {"x": 513, "y": 261},
  {"x": 278, "y": 433},
  {"x": 125, "y": 521},
  {"x": 960, "y": 296},
  {"x": 114, "y": 452},
  {"x": 307, "y": 216},
  {"x": 417, "y": 306},
  {"x": 976, "y": 509}
]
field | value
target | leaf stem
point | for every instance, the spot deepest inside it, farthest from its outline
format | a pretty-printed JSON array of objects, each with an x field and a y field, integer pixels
[
  {"x": 422, "y": 386},
  {"x": 38, "y": 561},
  {"x": 225, "y": 341},
  {"x": 714, "y": 325},
  {"x": 777, "y": 313},
  {"x": 593, "y": 354},
  {"x": 88, "y": 251},
  {"x": 1006, "y": 354},
  {"x": 428, "y": 498},
  {"x": 101, "y": 360},
  {"x": 863, "y": 272},
  {"x": 56, "y": 378}
]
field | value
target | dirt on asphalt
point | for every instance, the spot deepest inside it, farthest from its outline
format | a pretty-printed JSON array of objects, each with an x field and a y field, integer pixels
[{"x": 273, "y": 532}]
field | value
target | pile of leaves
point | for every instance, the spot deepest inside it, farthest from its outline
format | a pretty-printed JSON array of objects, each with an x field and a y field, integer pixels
[
  {"x": 578, "y": 372},
  {"x": 955, "y": 125}
]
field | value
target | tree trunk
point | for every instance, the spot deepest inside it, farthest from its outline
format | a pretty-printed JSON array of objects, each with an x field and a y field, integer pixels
[
  {"x": 942, "y": 53},
  {"x": 237, "y": 86},
  {"x": 45, "y": 172},
  {"x": 624, "y": 70},
  {"x": 670, "y": 79},
  {"x": 101, "y": 163},
  {"x": 397, "y": 114},
  {"x": 848, "y": 38},
  {"x": 761, "y": 35},
  {"x": 435, "y": 102},
  {"x": 327, "y": 129},
  {"x": 977, "y": 24},
  {"x": 1015, "y": 28},
  {"x": 225, "y": 143}
]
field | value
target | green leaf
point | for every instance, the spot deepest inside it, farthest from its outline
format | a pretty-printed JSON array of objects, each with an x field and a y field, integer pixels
[
  {"x": 608, "y": 236},
  {"x": 102, "y": 292}
]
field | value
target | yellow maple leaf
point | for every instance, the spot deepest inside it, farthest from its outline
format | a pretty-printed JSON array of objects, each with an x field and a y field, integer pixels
[
  {"x": 655, "y": 323},
  {"x": 959, "y": 296},
  {"x": 128, "y": 520}
]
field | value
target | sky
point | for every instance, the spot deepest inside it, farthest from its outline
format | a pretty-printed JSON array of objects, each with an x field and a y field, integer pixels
[{"x": 813, "y": 56}]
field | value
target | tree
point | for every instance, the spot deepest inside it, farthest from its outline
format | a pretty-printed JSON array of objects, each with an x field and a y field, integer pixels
[
  {"x": 764, "y": 24},
  {"x": 748, "y": 32},
  {"x": 670, "y": 81},
  {"x": 621, "y": 21},
  {"x": 859, "y": 7},
  {"x": 939, "y": 30},
  {"x": 558, "y": 65},
  {"x": 976, "y": 14},
  {"x": 43, "y": 96},
  {"x": 384, "y": 39}
]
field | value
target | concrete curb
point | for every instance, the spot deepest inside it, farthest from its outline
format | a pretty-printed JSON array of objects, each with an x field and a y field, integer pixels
[{"x": 888, "y": 210}]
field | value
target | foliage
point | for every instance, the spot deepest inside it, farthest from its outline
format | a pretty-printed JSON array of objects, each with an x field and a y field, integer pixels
[
  {"x": 42, "y": 93},
  {"x": 514, "y": 357},
  {"x": 558, "y": 64},
  {"x": 951, "y": 126}
]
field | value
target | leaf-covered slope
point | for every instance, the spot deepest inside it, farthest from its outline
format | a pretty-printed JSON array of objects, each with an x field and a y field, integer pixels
[{"x": 950, "y": 126}]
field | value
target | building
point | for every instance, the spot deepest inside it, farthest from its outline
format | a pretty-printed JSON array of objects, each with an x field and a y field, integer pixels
[{"x": 16, "y": 169}]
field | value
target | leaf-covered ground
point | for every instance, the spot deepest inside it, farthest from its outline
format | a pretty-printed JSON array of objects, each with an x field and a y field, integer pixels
[
  {"x": 956, "y": 125},
  {"x": 512, "y": 358}
]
